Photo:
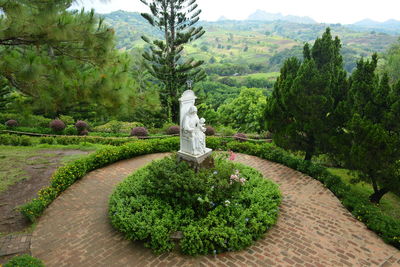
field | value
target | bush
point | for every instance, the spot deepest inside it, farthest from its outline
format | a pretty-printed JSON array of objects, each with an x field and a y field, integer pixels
[
  {"x": 71, "y": 130},
  {"x": 27, "y": 120},
  {"x": 139, "y": 132},
  {"x": 15, "y": 140},
  {"x": 226, "y": 131},
  {"x": 210, "y": 131},
  {"x": 214, "y": 211},
  {"x": 24, "y": 261},
  {"x": 240, "y": 137},
  {"x": 57, "y": 125},
  {"x": 70, "y": 173},
  {"x": 81, "y": 126},
  {"x": 68, "y": 120},
  {"x": 117, "y": 127},
  {"x": 11, "y": 123},
  {"x": 173, "y": 130}
]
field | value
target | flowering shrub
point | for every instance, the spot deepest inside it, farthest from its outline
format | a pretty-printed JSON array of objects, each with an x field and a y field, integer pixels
[
  {"x": 210, "y": 131},
  {"x": 173, "y": 129},
  {"x": 81, "y": 126},
  {"x": 139, "y": 132},
  {"x": 213, "y": 214},
  {"x": 11, "y": 123},
  {"x": 57, "y": 125}
]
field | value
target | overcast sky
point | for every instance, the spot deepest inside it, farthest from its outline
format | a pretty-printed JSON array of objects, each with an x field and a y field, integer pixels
[{"x": 329, "y": 11}]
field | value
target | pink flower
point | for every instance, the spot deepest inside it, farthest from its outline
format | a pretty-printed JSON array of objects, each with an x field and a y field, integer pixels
[
  {"x": 232, "y": 155},
  {"x": 234, "y": 177},
  {"x": 242, "y": 180}
]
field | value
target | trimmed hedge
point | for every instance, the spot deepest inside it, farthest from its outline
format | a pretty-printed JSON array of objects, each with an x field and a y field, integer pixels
[
  {"x": 65, "y": 176},
  {"x": 225, "y": 208},
  {"x": 386, "y": 227}
]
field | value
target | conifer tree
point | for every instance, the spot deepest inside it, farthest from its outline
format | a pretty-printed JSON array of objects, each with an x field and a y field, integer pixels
[
  {"x": 304, "y": 109},
  {"x": 371, "y": 142},
  {"x": 175, "y": 19}
]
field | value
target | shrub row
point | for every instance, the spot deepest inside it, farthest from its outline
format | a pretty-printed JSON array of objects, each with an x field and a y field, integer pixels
[
  {"x": 69, "y": 174},
  {"x": 387, "y": 227},
  {"x": 24, "y": 261},
  {"x": 15, "y": 140}
]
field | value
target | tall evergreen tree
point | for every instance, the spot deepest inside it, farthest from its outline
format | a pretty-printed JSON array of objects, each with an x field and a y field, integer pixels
[
  {"x": 60, "y": 60},
  {"x": 371, "y": 141},
  {"x": 304, "y": 109},
  {"x": 176, "y": 20}
]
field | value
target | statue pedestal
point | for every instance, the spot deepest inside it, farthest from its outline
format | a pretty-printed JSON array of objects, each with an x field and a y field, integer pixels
[{"x": 197, "y": 162}]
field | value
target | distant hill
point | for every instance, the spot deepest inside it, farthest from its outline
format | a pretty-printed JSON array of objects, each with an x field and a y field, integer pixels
[
  {"x": 262, "y": 15},
  {"x": 260, "y": 45},
  {"x": 391, "y": 26}
]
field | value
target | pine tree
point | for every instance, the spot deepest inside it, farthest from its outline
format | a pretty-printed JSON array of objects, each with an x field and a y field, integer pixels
[
  {"x": 372, "y": 135},
  {"x": 304, "y": 108},
  {"x": 175, "y": 19},
  {"x": 60, "y": 60}
]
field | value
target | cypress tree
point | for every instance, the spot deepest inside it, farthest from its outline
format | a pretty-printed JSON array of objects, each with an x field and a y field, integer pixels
[
  {"x": 175, "y": 19},
  {"x": 304, "y": 110},
  {"x": 372, "y": 134}
]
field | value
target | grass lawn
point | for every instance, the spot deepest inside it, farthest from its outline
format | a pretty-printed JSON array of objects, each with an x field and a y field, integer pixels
[
  {"x": 14, "y": 160},
  {"x": 390, "y": 203}
]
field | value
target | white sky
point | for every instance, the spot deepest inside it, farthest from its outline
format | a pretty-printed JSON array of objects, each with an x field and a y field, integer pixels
[{"x": 328, "y": 11}]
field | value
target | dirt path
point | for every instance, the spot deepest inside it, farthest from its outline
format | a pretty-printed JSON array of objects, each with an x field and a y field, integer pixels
[{"x": 313, "y": 229}]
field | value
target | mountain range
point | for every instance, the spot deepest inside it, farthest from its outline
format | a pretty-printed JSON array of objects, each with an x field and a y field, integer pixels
[{"x": 261, "y": 15}]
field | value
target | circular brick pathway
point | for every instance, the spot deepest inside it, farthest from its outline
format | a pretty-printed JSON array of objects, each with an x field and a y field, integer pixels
[{"x": 313, "y": 229}]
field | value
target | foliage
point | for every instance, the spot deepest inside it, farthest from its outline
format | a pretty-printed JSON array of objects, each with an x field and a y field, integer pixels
[
  {"x": 175, "y": 19},
  {"x": 213, "y": 213},
  {"x": 15, "y": 140},
  {"x": 210, "y": 130},
  {"x": 174, "y": 129},
  {"x": 11, "y": 123},
  {"x": 24, "y": 260},
  {"x": 81, "y": 126},
  {"x": 84, "y": 132},
  {"x": 386, "y": 227},
  {"x": 140, "y": 132},
  {"x": 68, "y": 120},
  {"x": 304, "y": 109},
  {"x": 70, "y": 173},
  {"x": 391, "y": 64},
  {"x": 57, "y": 126},
  {"x": 370, "y": 138},
  {"x": 23, "y": 119},
  {"x": 117, "y": 127},
  {"x": 244, "y": 112}
]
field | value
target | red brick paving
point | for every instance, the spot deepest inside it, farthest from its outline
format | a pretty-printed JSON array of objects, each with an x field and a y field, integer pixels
[{"x": 313, "y": 229}]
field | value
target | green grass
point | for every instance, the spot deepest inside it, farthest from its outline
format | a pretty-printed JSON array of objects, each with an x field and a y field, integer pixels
[
  {"x": 390, "y": 203},
  {"x": 13, "y": 160}
]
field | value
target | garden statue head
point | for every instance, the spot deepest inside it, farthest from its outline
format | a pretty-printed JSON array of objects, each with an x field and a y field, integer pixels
[{"x": 192, "y": 110}]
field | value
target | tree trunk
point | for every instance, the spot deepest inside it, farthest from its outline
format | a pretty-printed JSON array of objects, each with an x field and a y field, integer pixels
[
  {"x": 308, "y": 156},
  {"x": 377, "y": 195}
]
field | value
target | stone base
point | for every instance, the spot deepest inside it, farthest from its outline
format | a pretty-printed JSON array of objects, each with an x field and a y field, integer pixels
[{"x": 197, "y": 162}]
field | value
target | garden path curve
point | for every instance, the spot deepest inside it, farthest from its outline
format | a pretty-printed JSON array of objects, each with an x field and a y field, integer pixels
[{"x": 313, "y": 229}]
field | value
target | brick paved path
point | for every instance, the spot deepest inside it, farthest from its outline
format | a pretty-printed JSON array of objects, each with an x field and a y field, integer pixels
[{"x": 313, "y": 228}]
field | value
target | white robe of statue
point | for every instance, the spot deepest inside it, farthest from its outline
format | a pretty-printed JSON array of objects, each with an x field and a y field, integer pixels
[{"x": 193, "y": 129}]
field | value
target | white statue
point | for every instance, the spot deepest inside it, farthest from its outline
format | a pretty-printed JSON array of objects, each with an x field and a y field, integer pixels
[
  {"x": 193, "y": 139},
  {"x": 193, "y": 129}
]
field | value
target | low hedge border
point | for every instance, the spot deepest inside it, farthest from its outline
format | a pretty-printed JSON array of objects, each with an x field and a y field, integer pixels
[{"x": 386, "y": 227}]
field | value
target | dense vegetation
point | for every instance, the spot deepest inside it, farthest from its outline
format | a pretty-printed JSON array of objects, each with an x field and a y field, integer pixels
[{"x": 219, "y": 209}]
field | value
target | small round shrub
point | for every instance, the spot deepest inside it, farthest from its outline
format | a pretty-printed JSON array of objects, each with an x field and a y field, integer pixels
[
  {"x": 57, "y": 125},
  {"x": 173, "y": 130},
  {"x": 71, "y": 130},
  {"x": 139, "y": 132},
  {"x": 240, "y": 137},
  {"x": 81, "y": 125},
  {"x": 24, "y": 260},
  {"x": 210, "y": 131},
  {"x": 11, "y": 123},
  {"x": 225, "y": 208},
  {"x": 84, "y": 132}
]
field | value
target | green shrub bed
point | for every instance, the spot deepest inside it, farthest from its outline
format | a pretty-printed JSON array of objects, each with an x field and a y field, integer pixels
[
  {"x": 386, "y": 227},
  {"x": 218, "y": 209},
  {"x": 24, "y": 261}
]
